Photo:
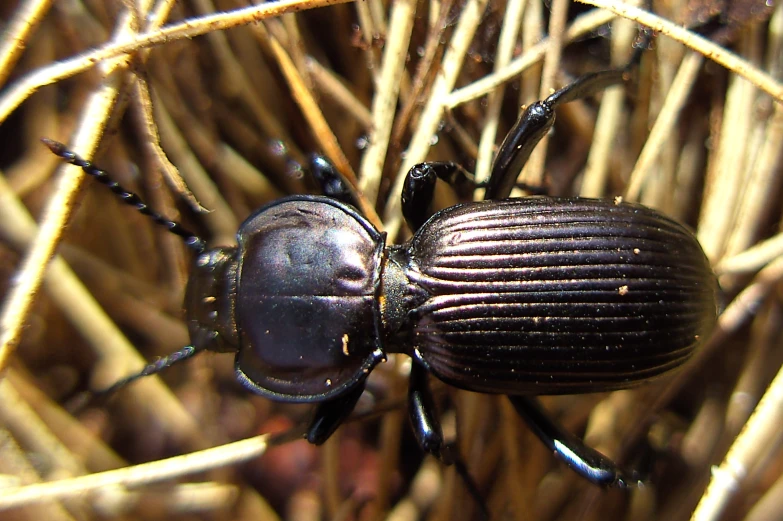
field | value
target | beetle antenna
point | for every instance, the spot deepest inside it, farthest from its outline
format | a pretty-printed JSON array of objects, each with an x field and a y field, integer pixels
[
  {"x": 192, "y": 241},
  {"x": 89, "y": 398},
  {"x": 155, "y": 367}
]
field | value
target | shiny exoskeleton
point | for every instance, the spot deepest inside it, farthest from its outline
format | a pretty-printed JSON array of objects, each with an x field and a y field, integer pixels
[{"x": 520, "y": 297}]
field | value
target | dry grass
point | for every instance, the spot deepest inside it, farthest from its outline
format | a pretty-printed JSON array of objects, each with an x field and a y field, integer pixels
[{"x": 227, "y": 105}]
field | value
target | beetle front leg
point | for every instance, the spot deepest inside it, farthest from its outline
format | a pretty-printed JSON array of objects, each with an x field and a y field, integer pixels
[
  {"x": 426, "y": 427},
  {"x": 331, "y": 182},
  {"x": 331, "y": 414},
  {"x": 587, "y": 462}
]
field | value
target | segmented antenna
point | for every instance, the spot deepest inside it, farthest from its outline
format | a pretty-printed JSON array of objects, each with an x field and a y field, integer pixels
[
  {"x": 151, "y": 368},
  {"x": 82, "y": 400},
  {"x": 192, "y": 241}
]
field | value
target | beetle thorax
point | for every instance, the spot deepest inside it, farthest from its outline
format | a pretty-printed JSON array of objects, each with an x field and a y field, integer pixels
[{"x": 306, "y": 310}]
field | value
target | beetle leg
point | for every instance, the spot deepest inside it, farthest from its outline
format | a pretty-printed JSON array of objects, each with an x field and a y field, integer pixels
[
  {"x": 585, "y": 461},
  {"x": 538, "y": 118},
  {"x": 426, "y": 427},
  {"x": 331, "y": 182},
  {"x": 419, "y": 190},
  {"x": 330, "y": 414}
]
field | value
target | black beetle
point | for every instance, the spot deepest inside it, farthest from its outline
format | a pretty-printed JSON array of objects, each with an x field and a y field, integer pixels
[{"x": 521, "y": 297}]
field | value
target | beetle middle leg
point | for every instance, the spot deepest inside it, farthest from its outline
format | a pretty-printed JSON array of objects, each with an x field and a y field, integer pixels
[
  {"x": 538, "y": 118},
  {"x": 418, "y": 191},
  {"x": 428, "y": 432},
  {"x": 417, "y": 196}
]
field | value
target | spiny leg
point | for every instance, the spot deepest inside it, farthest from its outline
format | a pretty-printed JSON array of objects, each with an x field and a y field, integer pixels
[
  {"x": 429, "y": 435},
  {"x": 585, "y": 461},
  {"x": 539, "y": 117}
]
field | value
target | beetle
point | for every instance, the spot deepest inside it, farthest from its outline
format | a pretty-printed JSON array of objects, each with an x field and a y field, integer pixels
[{"x": 521, "y": 297}]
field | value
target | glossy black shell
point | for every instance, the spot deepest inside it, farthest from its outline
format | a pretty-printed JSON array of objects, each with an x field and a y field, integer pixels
[
  {"x": 556, "y": 296},
  {"x": 308, "y": 271}
]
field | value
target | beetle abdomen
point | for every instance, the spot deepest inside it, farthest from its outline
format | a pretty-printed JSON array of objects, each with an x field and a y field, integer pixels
[{"x": 547, "y": 296}]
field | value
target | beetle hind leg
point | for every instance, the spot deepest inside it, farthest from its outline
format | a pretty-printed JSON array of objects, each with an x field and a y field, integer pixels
[{"x": 585, "y": 461}]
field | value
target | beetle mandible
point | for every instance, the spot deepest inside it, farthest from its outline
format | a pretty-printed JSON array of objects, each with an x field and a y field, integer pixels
[{"x": 521, "y": 297}]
